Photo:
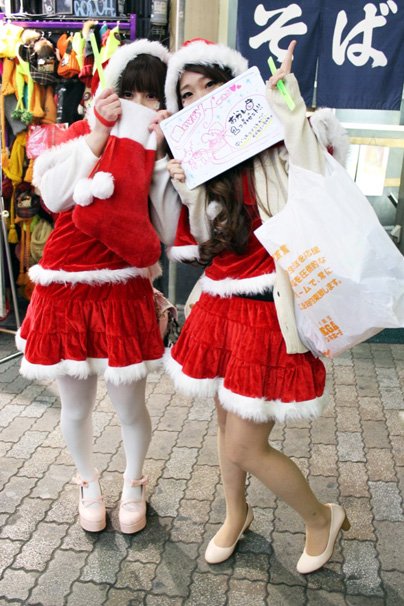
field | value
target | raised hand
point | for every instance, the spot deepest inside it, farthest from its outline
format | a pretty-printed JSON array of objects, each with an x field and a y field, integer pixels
[{"x": 286, "y": 66}]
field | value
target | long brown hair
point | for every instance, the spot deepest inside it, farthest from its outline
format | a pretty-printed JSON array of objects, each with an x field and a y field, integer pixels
[{"x": 230, "y": 229}]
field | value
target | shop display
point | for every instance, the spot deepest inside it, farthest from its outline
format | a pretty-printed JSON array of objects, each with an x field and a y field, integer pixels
[{"x": 48, "y": 74}]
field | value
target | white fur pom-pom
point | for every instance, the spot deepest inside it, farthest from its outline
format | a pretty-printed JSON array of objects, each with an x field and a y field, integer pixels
[
  {"x": 214, "y": 208},
  {"x": 103, "y": 185},
  {"x": 82, "y": 194}
]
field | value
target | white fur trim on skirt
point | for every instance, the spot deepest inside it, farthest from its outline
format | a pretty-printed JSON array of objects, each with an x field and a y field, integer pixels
[
  {"x": 261, "y": 410},
  {"x": 229, "y": 287},
  {"x": 258, "y": 410},
  {"x": 82, "y": 369},
  {"x": 43, "y": 276}
]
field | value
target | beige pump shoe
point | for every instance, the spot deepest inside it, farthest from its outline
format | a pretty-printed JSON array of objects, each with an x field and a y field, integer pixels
[
  {"x": 132, "y": 514},
  {"x": 215, "y": 554},
  {"x": 92, "y": 513},
  {"x": 308, "y": 563}
]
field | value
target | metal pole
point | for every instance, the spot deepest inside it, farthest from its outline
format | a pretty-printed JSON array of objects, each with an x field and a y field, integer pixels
[
  {"x": 11, "y": 357},
  {"x": 179, "y": 24},
  {"x": 3, "y": 217}
]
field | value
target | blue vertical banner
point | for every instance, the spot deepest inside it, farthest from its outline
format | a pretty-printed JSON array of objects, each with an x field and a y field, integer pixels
[
  {"x": 357, "y": 47},
  {"x": 361, "y": 60},
  {"x": 267, "y": 28}
]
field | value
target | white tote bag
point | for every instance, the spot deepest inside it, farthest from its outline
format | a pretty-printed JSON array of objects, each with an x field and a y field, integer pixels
[{"x": 347, "y": 275}]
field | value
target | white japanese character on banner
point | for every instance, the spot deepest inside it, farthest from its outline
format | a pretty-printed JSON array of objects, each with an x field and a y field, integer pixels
[
  {"x": 360, "y": 52},
  {"x": 278, "y": 29}
]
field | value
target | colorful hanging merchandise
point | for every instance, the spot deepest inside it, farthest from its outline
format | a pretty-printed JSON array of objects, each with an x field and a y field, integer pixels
[
  {"x": 14, "y": 170},
  {"x": 10, "y": 37},
  {"x": 27, "y": 206},
  {"x": 87, "y": 65},
  {"x": 39, "y": 234},
  {"x": 68, "y": 64},
  {"x": 110, "y": 41},
  {"x": 42, "y": 60},
  {"x": 22, "y": 80}
]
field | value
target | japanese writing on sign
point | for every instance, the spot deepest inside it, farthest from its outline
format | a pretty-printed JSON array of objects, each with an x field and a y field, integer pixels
[
  {"x": 358, "y": 47},
  {"x": 310, "y": 276}
]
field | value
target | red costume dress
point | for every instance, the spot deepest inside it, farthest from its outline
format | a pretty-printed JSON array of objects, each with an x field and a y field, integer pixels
[
  {"x": 231, "y": 344},
  {"x": 92, "y": 310}
]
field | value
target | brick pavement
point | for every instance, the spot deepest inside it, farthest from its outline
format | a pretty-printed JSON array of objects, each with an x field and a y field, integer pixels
[{"x": 353, "y": 454}]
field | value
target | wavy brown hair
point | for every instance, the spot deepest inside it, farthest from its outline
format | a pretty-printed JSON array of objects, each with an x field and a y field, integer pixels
[{"x": 230, "y": 229}]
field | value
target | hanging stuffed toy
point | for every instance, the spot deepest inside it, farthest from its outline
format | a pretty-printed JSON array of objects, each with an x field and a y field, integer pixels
[
  {"x": 68, "y": 64},
  {"x": 110, "y": 42},
  {"x": 14, "y": 171},
  {"x": 27, "y": 206},
  {"x": 22, "y": 79},
  {"x": 42, "y": 60},
  {"x": 10, "y": 37}
]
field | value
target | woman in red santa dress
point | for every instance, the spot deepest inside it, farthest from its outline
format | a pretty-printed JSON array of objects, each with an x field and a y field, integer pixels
[
  {"x": 92, "y": 311},
  {"x": 240, "y": 343}
]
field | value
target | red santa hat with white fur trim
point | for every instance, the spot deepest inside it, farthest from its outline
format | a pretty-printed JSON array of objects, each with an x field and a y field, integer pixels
[
  {"x": 200, "y": 52},
  {"x": 124, "y": 54}
]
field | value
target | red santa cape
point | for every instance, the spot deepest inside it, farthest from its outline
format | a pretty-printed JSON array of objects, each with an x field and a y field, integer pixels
[{"x": 112, "y": 204}]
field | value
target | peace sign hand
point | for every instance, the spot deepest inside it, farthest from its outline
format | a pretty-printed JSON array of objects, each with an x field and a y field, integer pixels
[{"x": 286, "y": 66}]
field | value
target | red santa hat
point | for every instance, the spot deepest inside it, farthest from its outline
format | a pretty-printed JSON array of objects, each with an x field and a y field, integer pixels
[
  {"x": 124, "y": 54},
  {"x": 200, "y": 52},
  {"x": 120, "y": 59}
]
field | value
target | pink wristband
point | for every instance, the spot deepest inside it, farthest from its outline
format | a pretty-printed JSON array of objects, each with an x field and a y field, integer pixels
[{"x": 107, "y": 123}]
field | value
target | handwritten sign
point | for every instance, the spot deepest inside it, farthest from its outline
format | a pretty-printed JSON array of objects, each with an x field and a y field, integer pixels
[{"x": 232, "y": 123}]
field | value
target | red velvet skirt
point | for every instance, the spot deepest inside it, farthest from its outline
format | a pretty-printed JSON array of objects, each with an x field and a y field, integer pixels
[
  {"x": 82, "y": 329},
  {"x": 233, "y": 347}
]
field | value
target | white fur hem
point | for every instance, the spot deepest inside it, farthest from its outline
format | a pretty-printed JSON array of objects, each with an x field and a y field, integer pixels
[
  {"x": 19, "y": 342},
  {"x": 203, "y": 388},
  {"x": 258, "y": 410},
  {"x": 183, "y": 253},
  {"x": 229, "y": 286},
  {"x": 85, "y": 368},
  {"x": 43, "y": 276}
]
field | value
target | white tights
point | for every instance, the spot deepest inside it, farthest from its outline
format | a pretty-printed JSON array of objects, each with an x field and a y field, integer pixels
[{"x": 78, "y": 399}]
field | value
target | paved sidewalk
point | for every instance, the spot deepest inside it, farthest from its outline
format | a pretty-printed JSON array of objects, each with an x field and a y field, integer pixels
[{"x": 353, "y": 454}]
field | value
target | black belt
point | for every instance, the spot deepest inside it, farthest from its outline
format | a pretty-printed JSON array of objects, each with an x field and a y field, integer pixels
[{"x": 267, "y": 295}]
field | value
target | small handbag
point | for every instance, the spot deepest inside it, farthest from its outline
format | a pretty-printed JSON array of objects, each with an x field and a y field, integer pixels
[{"x": 167, "y": 318}]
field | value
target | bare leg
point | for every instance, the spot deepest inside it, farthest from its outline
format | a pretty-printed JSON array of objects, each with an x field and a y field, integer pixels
[
  {"x": 247, "y": 446},
  {"x": 233, "y": 478}
]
